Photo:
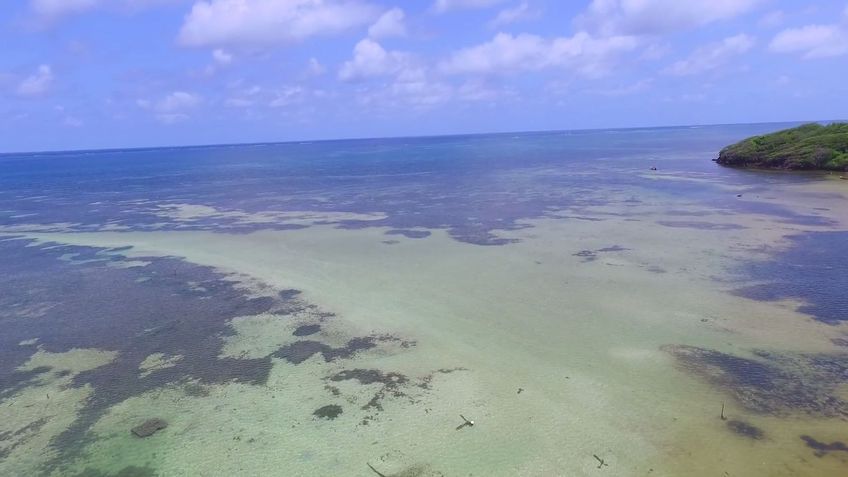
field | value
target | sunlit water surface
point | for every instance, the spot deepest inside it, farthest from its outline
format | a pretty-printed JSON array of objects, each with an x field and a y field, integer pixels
[{"x": 334, "y": 308}]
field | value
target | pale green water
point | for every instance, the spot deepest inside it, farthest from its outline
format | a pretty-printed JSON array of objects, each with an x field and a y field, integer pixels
[{"x": 556, "y": 343}]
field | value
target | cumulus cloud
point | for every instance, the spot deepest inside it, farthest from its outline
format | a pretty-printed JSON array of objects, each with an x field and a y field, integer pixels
[
  {"x": 244, "y": 97},
  {"x": 221, "y": 57},
  {"x": 403, "y": 80},
  {"x": 442, "y": 6},
  {"x": 646, "y": 17},
  {"x": 314, "y": 67},
  {"x": 173, "y": 107},
  {"x": 510, "y": 15},
  {"x": 370, "y": 59},
  {"x": 812, "y": 41},
  {"x": 268, "y": 22},
  {"x": 287, "y": 95},
  {"x": 37, "y": 83},
  {"x": 588, "y": 55},
  {"x": 390, "y": 23},
  {"x": 712, "y": 56}
]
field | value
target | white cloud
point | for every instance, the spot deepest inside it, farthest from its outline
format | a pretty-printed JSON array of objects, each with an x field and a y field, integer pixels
[
  {"x": 506, "y": 53},
  {"x": 370, "y": 59},
  {"x": 266, "y": 22},
  {"x": 419, "y": 92},
  {"x": 176, "y": 101},
  {"x": 712, "y": 56},
  {"x": 404, "y": 81},
  {"x": 287, "y": 95},
  {"x": 520, "y": 12},
  {"x": 477, "y": 90},
  {"x": 390, "y": 23},
  {"x": 173, "y": 107},
  {"x": 37, "y": 83},
  {"x": 221, "y": 57},
  {"x": 442, "y": 6},
  {"x": 244, "y": 97},
  {"x": 315, "y": 68},
  {"x": 812, "y": 41},
  {"x": 638, "y": 17}
]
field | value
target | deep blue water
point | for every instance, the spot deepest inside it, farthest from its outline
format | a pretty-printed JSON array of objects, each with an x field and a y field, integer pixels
[{"x": 470, "y": 185}]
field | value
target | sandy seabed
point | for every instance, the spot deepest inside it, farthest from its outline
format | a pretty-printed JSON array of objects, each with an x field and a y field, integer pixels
[{"x": 555, "y": 345}]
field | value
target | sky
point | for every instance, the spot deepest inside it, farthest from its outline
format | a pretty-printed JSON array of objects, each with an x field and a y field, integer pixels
[{"x": 88, "y": 74}]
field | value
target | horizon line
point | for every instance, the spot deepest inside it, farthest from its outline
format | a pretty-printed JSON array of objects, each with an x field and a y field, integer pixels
[{"x": 371, "y": 138}]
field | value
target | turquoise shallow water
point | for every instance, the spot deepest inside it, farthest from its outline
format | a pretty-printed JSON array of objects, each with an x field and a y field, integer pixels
[{"x": 347, "y": 300}]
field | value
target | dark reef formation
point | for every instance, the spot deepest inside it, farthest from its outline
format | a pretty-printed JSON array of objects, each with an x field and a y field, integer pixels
[
  {"x": 810, "y": 270},
  {"x": 57, "y": 298},
  {"x": 778, "y": 384}
]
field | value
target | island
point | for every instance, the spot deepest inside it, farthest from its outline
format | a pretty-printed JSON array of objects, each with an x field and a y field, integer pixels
[{"x": 808, "y": 147}]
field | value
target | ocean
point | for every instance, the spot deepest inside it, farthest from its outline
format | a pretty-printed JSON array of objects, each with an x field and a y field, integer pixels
[{"x": 596, "y": 302}]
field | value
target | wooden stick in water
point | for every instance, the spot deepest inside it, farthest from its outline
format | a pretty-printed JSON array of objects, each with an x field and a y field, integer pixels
[
  {"x": 375, "y": 470},
  {"x": 601, "y": 462}
]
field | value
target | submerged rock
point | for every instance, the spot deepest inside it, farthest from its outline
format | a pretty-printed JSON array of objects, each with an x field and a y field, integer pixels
[
  {"x": 330, "y": 411},
  {"x": 823, "y": 448},
  {"x": 129, "y": 471},
  {"x": 744, "y": 429},
  {"x": 391, "y": 383},
  {"x": 149, "y": 427},
  {"x": 306, "y": 330}
]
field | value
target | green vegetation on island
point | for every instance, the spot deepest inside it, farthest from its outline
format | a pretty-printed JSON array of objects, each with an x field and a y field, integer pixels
[{"x": 807, "y": 147}]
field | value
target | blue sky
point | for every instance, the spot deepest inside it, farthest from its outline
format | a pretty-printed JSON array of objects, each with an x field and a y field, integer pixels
[{"x": 125, "y": 73}]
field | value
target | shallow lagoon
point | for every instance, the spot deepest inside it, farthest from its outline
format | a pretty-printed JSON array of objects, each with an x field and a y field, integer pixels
[{"x": 321, "y": 307}]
